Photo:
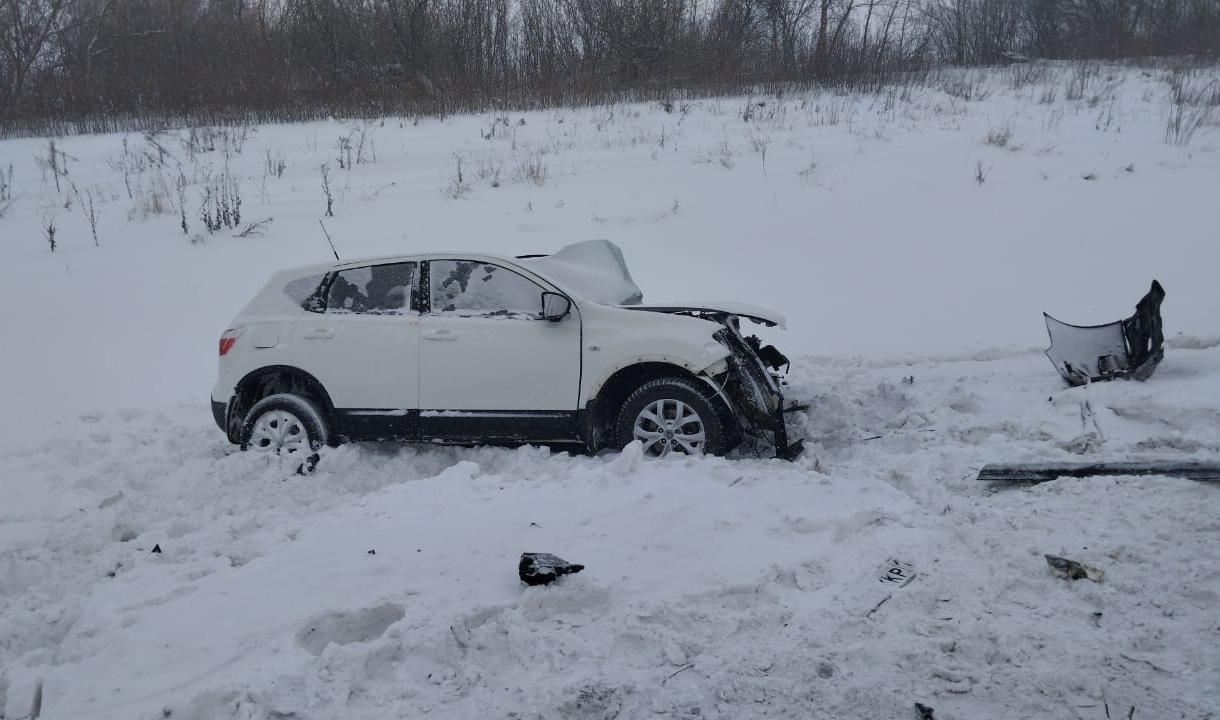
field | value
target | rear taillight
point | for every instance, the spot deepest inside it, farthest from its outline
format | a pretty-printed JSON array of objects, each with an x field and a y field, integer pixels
[{"x": 228, "y": 338}]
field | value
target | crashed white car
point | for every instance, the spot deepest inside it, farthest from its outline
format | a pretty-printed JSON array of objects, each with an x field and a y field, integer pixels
[{"x": 468, "y": 348}]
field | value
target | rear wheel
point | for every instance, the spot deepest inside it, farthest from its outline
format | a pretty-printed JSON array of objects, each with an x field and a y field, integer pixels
[
  {"x": 284, "y": 424},
  {"x": 670, "y": 415}
]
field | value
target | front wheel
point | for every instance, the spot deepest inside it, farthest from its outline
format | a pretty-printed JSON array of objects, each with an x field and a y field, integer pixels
[
  {"x": 284, "y": 424},
  {"x": 670, "y": 415}
]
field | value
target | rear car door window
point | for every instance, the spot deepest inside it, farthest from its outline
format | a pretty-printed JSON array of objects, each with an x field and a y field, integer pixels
[
  {"x": 387, "y": 289},
  {"x": 477, "y": 288}
]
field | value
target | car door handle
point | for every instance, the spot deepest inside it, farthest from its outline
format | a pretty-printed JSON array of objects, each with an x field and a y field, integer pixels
[
  {"x": 440, "y": 335},
  {"x": 320, "y": 334}
]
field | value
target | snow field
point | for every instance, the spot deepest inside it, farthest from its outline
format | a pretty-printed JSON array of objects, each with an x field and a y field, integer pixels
[{"x": 714, "y": 588}]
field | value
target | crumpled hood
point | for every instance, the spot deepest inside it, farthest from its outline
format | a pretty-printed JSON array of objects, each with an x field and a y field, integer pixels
[
  {"x": 594, "y": 269},
  {"x": 760, "y": 315}
]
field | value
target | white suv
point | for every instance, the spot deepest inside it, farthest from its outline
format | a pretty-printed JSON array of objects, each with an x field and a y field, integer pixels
[{"x": 469, "y": 348}]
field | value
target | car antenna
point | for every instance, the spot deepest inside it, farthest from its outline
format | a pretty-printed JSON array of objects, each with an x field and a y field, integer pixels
[{"x": 332, "y": 242}]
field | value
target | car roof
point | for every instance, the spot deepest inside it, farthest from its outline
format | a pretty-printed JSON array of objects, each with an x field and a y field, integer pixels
[{"x": 428, "y": 255}]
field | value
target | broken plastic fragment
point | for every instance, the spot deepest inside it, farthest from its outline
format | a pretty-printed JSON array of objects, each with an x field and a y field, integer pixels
[
  {"x": 544, "y": 568},
  {"x": 1073, "y": 570}
]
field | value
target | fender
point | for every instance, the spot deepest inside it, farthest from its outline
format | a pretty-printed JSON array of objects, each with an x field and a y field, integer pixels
[{"x": 235, "y": 412}]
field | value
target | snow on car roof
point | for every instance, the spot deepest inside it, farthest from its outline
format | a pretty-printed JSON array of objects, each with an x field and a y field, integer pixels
[{"x": 594, "y": 269}]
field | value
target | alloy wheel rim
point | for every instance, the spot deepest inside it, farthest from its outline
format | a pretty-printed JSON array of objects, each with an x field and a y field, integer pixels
[
  {"x": 278, "y": 431},
  {"x": 669, "y": 425}
]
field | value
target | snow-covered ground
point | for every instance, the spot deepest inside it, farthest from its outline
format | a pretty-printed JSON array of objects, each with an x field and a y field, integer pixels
[{"x": 714, "y": 588}]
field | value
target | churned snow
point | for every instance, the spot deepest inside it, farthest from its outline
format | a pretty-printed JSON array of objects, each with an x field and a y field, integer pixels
[{"x": 385, "y": 585}]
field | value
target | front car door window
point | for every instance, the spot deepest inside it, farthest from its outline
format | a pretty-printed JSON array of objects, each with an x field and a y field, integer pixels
[{"x": 470, "y": 288}]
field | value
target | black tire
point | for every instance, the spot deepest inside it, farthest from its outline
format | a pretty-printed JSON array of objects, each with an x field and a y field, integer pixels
[
  {"x": 669, "y": 395},
  {"x": 298, "y": 421}
]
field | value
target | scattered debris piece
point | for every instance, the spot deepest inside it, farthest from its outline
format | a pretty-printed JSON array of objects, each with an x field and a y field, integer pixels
[
  {"x": 1046, "y": 472},
  {"x": 925, "y": 712},
  {"x": 544, "y": 568},
  {"x": 110, "y": 501},
  {"x": 157, "y": 548},
  {"x": 1073, "y": 570},
  {"x": 892, "y": 574},
  {"x": 371, "y": 552},
  {"x": 676, "y": 672},
  {"x": 1129, "y": 349},
  {"x": 896, "y": 572}
]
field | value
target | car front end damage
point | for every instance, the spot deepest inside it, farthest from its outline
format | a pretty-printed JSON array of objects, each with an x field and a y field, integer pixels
[
  {"x": 750, "y": 386},
  {"x": 750, "y": 379}
]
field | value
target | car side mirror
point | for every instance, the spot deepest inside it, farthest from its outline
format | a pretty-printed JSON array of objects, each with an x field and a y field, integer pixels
[{"x": 555, "y": 307}]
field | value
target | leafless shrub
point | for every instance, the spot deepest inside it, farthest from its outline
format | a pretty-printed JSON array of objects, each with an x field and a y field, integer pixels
[
  {"x": 152, "y": 139},
  {"x": 274, "y": 163},
  {"x": 981, "y": 172},
  {"x": 182, "y": 202},
  {"x": 90, "y": 210},
  {"x": 324, "y": 168},
  {"x": 1183, "y": 122},
  {"x": 760, "y": 143},
  {"x": 360, "y": 136},
  {"x": 354, "y": 142},
  {"x": 530, "y": 170},
  {"x": 967, "y": 88},
  {"x": 1081, "y": 79},
  {"x": 6, "y": 184},
  {"x": 221, "y": 206},
  {"x": 48, "y": 230},
  {"x": 488, "y": 167},
  {"x": 206, "y": 139},
  {"x": 258, "y": 227},
  {"x": 198, "y": 140},
  {"x": 458, "y": 186},
  {"x": 149, "y": 203},
  {"x": 55, "y": 161},
  {"x": 1049, "y": 94},
  {"x": 999, "y": 137},
  {"x": 344, "y": 147},
  {"x": 1184, "y": 89},
  {"x": 726, "y": 156},
  {"x": 1022, "y": 74},
  {"x": 4, "y": 207},
  {"x": 809, "y": 172},
  {"x": 233, "y": 139}
]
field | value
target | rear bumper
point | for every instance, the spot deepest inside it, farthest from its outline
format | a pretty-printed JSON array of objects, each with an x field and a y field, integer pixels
[{"x": 220, "y": 412}]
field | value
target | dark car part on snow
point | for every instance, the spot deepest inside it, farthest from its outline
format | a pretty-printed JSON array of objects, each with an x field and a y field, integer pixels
[
  {"x": 1073, "y": 570},
  {"x": 753, "y": 392},
  {"x": 1046, "y": 472},
  {"x": 925, "y": 712},
  {"x": 770, "y": 356},
  {"x": 544, "y": 568},
  {"x": 1129, "y": 349}
]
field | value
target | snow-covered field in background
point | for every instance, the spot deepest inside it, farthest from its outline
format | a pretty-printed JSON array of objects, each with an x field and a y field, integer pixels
[{"x": 714, "y": 588}]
